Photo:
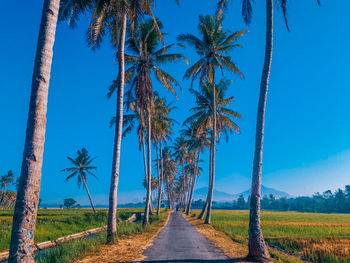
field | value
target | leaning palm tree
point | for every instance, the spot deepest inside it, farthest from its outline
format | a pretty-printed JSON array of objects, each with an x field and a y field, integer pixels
[
  {"x": 7, "y": 179},
  {"x": 23, "y": 226},
  {"x": 197, "y": 141},
  {"x": 257, "y": 246},
  {"x": 82, "y": 167},
  {"x": 146, "y": 58},
  {"x": 203, "y": 120},
  {"x": 213, "y": 49}
]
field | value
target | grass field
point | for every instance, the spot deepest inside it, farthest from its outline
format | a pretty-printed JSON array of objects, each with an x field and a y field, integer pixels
[
  {"x": 315, "y": 237},
  {"x": 54, "y": 223}
]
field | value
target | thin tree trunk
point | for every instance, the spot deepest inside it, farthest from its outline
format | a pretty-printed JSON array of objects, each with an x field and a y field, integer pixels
[
  {"x": 213, "y": 142},
  {"x": 204, "y": 209},
  {"x": 87, "y": 191},
  {"x": 159, "y": 183},
  {"x": 161, "y": 168},
  {"x": 145, "y": 166},
  {"x": 193, "y": 184},
  {"x": 257, "y": 246},
  {"x": 112, "y": 211},
  {"x": 24, "y": 219},
  {"x": 149, "y": 189}
]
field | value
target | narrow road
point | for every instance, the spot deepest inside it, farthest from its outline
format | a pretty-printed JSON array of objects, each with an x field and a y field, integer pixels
[{"x": 179, "y": 241}]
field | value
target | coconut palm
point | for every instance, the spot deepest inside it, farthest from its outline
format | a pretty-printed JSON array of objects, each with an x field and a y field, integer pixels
[
  {"x": 7, "y": 179},
  {"x": 203, "y": 119},
  {"x": 112, "y": 16},
  {"x": 196, "y": 142},
  {"x": 82, "y": 167},
  {"x": 146, "y": 56},
  {"x": 170, "y": 169},
  {"x": 213, "y": 49},
  {"x": 257, "y": 246},
  {"x": 23, "y": 226}
]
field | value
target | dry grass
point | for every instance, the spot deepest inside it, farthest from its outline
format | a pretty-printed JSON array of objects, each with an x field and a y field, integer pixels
[
  {"x": 128, "y": 249},
  {"x": 234, "y": 250}
]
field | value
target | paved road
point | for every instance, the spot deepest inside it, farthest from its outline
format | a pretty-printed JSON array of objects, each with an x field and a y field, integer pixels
[{"x": 179, "y": 241}]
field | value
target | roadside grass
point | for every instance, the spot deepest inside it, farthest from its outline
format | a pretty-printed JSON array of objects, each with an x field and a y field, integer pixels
[
  {"x": 71, "y": 251},
  {"x": 55, "y": 223},
  {"x": 319, "y": 238}
]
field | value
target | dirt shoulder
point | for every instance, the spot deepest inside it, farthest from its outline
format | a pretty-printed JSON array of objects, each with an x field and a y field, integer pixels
[{"x": 128, "y": 249}]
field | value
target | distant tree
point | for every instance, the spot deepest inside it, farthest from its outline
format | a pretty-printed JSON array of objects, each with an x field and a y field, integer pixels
[
  {"x": 69, "y": 202},
  {"x": 7, "y": 180},
  {"x": 82, "y": 167},
  {"x": 240, "y": 202},
  {"x": 40, "y": 201}
]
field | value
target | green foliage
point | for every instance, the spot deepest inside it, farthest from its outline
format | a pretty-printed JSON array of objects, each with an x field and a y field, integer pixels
[
  {"x": 55, "y": 223},
  {"x": 68, "y": 252},
  {"x": 316, "y": 237}
]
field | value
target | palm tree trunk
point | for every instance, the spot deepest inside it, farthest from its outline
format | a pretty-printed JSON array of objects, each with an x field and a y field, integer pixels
[
  {"x": 149, "y": 184},
  {"x": 204, "y": 209},
  {"x": 193, "y": 184},
  {"x": 213, "y": 142},
  {"x": 112, "y": 211},
  {"x": 257, "y": 246},
  {"x": 161, "y": 169},
  {"x": 145, "y": 165},
  {"x": 87, "y": 191},
  {"x": 159, "y": 182},
  {"x": 23, "y": 226}
]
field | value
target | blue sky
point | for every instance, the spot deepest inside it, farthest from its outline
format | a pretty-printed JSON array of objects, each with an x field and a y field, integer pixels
[{"x": 307, "y": 146}]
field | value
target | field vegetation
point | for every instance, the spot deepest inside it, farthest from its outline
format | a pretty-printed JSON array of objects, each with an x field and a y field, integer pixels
[
  {"x": 314, "y": 237},
  {"x": 55, "y": 223}
]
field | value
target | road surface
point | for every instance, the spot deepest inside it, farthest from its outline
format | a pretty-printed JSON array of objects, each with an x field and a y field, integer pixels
[{"x": 179, "y": 241}]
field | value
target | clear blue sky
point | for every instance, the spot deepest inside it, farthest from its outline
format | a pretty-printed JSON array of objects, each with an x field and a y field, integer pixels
[{"x": 307, "y": 144}]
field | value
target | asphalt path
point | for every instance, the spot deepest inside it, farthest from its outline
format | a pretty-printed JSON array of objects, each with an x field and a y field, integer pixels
[{"x": 179, "y": 241}]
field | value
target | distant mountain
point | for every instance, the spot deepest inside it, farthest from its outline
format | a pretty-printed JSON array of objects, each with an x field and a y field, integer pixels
[
  {"x": 267, "y": 191},
  {"x": 219, "y": 196}
]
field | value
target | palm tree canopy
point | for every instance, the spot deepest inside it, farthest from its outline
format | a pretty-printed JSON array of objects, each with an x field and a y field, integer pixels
[
  {"x": 247, "y": 9},
  {"x": 81, "y": 166},
  {"x": 202, "y": 119},
  {"x": 7, "y": 179},
  {"x": 212, "y": 48}
]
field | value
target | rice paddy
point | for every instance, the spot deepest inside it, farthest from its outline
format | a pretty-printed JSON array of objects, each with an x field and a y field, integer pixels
[{"x": 314, "y": 237}]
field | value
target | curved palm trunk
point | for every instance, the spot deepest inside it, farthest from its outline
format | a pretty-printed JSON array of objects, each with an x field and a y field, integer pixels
[
  {"x": 24, "y": 219},
  {"x": 149, "y": 184},
  {"x": 205, "y": 207},
  {"x": 112, "y": 211},
  {"x": 193, "y": 184},
  {"x": 213, "y": 142},
  {"x": 88, "y": 193},
  {"x": 257, "y": 246},
  {"x": 161, "y": 171},
  {"x": 159, "y": 183}
]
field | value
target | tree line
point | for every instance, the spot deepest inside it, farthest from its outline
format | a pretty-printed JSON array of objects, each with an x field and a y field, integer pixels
[{"x": 137, "y": 37}]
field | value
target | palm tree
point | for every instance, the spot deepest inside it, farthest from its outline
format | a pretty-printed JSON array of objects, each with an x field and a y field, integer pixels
[
  {"x": 170, "y": 169},
  {"x": 257, "y": 246},
  {"x": 213, "y": 49},
  {"x": 23, "y": 226},
  {"x": 82, "y": 167},
  {"x": 146, "y": 58},
  {"x": 7, "y": 179},
  {"x": 196, "y": 142},
  {"x": 203, "y": 119}
]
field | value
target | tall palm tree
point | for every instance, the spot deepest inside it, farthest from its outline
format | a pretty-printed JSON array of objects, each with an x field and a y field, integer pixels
[
  {"x": 23, "y": 226},
  {"x": 257, "y": 246},
  {"x": 170, "y": 169},
  {"x": 196, "y": 142},
  {"x": 82, "y": 167},
  {"x": 147, "y": 56},
  {"x": 203, "y": 119},
  {"x": 213, "y": 49},
  {"x": 113, "y": 15},
  {"x": 7, "y": 179}
]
